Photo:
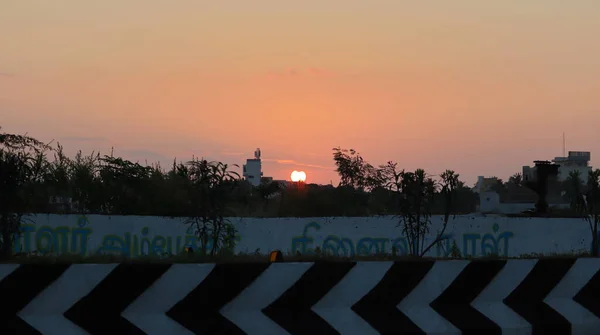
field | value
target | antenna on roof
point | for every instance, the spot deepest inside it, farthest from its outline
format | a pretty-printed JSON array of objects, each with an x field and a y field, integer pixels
[{"x": 564, "y": 146}]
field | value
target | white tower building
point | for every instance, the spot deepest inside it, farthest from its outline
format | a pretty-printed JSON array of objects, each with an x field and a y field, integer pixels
[{"x": 252, "y": 170}]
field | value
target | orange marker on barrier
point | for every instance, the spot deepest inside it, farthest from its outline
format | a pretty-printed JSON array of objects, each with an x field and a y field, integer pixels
[{"x": 276, "y": 256}]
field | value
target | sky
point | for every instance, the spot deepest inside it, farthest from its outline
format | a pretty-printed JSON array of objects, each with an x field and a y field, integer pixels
[{"x": 480, "y": 87}]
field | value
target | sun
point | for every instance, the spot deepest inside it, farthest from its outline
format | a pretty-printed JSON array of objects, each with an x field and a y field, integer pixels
[{"x": 298, "y": 176}]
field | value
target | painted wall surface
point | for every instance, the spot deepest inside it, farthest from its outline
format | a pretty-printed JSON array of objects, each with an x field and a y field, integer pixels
[{"x": 133, "y": 236}]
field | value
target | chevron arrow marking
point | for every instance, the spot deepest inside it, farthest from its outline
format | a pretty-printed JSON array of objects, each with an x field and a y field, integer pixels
[
  {"x": 561, "y": 297},
  {"x": 246, "y": 309},
  {"x": 454, "y": 304},
  {"x": 517, "y": 296},
  {"x": 8, "y": 323},
  {"x": 100, "y": 311},
  {"x": 417, "y": 304},
  {"x": 19, "y": 287},
  {"x": 379, "y": 307},
  {"x": 527, "y": 299},
  {"x": 199, "y": 311},
  {"x": 336, "y": 306},
  {"x": 7, "y": 269},
  {"x": 45, "y": 312},
  {"x": 490, "y": 301},
  {"x": 293, "y": 310},
  {"x": 148, "y": 312},
  {"x": 588, "y": 295}
]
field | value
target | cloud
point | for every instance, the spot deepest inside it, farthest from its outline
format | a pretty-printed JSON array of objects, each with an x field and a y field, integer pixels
[
  {"x": 231, "y": 153},
  {"x": 293, "y": 162},
  {"x": 6, "y": 75},
  {"x": 315, "y": 71},
  {"x": 84, "y": 139},
  {"x": 311, "y": 72}
]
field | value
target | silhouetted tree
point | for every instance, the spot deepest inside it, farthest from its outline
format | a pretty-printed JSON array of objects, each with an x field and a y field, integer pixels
[
  {"x": 574, "y": 190},
  {"x": 212, "y": 186},
  {"x": 585, "y": 200},
  {"x": 45, "y": 180},
  {"x": 592, "y": 206},
  {"x": 268, "y": 191},
  {"x": 516, "y": 180},
  {"x": 354, "y": 171},
  {"x": 414, "y": 193},
  {"x": 20, "y": 169},
  {"x": 449, "y": 185}
]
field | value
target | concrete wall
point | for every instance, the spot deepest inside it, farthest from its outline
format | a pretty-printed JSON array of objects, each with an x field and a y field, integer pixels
[{"x": 133, "y": 236}]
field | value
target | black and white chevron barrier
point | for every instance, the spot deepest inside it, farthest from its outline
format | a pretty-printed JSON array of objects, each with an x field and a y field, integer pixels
[{"x": 559, "y": 296}]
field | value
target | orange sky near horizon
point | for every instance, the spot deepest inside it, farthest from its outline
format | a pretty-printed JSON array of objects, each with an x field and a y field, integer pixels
[{"x": 479, "y": 87}]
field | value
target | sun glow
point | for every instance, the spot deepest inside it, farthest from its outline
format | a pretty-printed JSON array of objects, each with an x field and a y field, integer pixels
[{"x": 298, "y": 176}]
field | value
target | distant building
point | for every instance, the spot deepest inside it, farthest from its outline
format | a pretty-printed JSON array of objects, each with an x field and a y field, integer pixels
[
  {"x": 484, "y": 184},
  {"x": 252, "y": 170},
  {"x": 508, "y": 199},
  {"x": 575, "y": 161},
  {"x": 517, "y": 199}
]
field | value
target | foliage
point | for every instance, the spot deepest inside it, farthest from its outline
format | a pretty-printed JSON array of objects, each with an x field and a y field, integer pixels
[
  {"x": 410, "y": 195},
  {"x": 449, "y": 189},
  {"x": 415, "y": 194},
  {"x": 212, "y": 185},
  {"x": 51, "y": 182},
  {"x": 21, "y": 168},
  {"x": 585, "y": 200},
  {"x": 354, "y": 171},
  {"x": 516, "y": 180},
  {"x": 574, "y": 190}
]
